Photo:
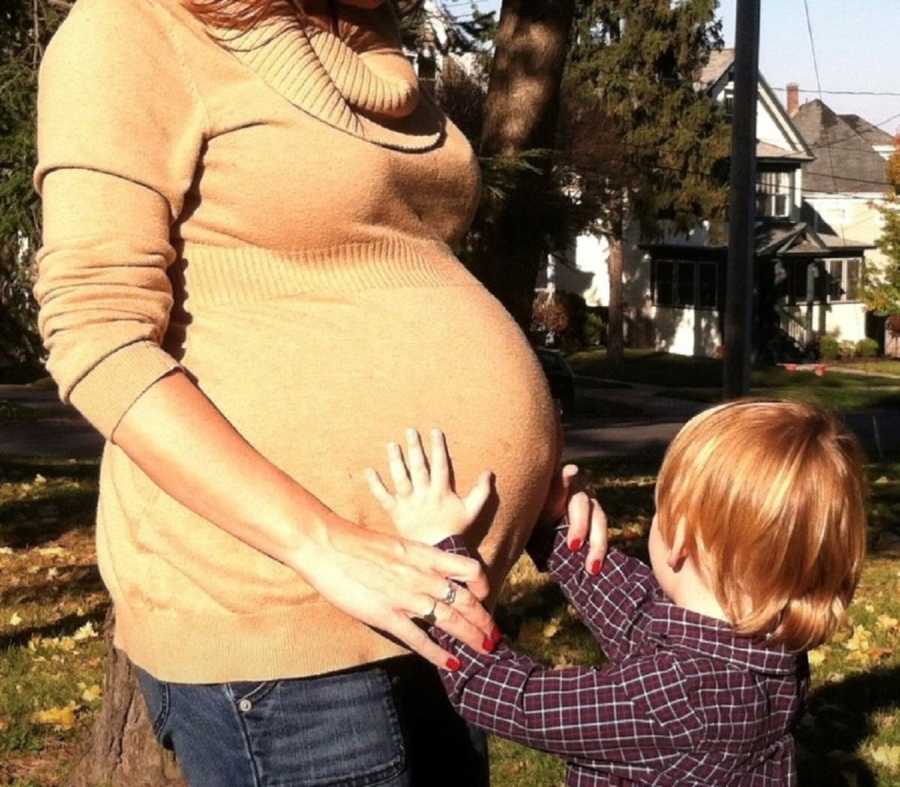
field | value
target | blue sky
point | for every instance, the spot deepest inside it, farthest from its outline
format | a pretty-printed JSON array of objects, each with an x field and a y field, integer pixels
[{"x": 856, "y": 45}]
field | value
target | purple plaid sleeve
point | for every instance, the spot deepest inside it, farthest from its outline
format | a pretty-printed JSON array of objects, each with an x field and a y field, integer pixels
[
  {"x": 609, "y": 603},
  {"x": 580, "y": 712}
]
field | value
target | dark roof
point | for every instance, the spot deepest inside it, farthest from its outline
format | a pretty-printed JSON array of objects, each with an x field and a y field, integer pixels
[
  {"x": 788, "y": 239},
  {"x": 875, "y": 136},
  {"x": 719, "y": 62},
  {"x": 845, "y": 160}
]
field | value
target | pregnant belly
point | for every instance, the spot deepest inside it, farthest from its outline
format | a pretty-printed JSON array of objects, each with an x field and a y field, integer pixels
[{"x": 319, "y": 384}]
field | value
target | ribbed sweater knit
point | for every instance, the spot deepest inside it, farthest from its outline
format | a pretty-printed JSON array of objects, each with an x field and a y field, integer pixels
[{"x": 275, "y": 213}]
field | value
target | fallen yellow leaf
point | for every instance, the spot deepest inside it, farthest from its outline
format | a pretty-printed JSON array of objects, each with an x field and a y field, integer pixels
[
  {"x": 92, "y": 693},
  {"x": 85, "y": 632},
  {"x": 887, "y": 756},
  {"x": 16, "y": 619},
  {"x": 67, "y": 643},
  {"x": 62, "y": 718},
  {"x": 816, "y": 657},
  {"x": 886, "y": 622},
  {"x": 859, "y": 640}
]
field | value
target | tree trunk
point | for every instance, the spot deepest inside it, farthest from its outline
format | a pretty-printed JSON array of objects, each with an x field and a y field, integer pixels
[
  {"x": 615, "y": 331},
  {"x": 122, "y": 751},
  {"x": 521, "y": 111}
]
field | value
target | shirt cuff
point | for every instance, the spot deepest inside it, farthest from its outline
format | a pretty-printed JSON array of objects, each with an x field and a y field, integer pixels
[
  {"x": 456, "y": 546},
  {"x": 107, "y": 391}
]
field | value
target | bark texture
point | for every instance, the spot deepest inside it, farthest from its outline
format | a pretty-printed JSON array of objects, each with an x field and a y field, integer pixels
[
  {"x": 615, "y": 344},
  {"x": 122, "y": 751},
  {"x": 521, "y": 113}
]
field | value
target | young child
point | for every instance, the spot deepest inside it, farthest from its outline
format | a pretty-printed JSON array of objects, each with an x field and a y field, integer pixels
[{"x": 756, "y": 549}]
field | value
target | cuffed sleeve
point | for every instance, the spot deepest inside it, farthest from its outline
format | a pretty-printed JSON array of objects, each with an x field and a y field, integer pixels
[{"x": 119, "y": 133}]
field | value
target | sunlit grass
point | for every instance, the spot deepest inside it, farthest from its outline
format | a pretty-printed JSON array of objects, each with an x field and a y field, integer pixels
[{"x": 52, "y": 605}]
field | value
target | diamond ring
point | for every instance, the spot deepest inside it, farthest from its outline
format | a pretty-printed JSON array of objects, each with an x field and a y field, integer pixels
[{"x": 451, "y": 594}]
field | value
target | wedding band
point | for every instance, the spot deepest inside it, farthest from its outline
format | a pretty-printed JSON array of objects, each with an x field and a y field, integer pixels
[
  {"x": 451, "y": 594},
  {"x": 430, "y": 619}
]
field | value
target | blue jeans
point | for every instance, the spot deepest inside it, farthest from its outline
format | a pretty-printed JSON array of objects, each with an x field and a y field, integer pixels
[{"x": 388, "y": 724}]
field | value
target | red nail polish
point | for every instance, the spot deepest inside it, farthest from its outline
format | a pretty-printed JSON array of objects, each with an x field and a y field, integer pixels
[
  {"x": 595, "y": 567},
  {"x": 496, "y": 633},
  {"x": 575, "y": 545},
  {"x": 489, "y": 644},
  {"x": 453, "y": 664}
]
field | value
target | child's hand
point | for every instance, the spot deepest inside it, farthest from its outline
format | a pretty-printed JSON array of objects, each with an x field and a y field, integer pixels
[
  {"x": 583, "y": 512},
  {"x": 424, "y": 507}
]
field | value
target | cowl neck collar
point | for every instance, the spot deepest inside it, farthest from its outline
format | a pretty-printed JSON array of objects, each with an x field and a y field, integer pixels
[{"x": 356, "y": 79}]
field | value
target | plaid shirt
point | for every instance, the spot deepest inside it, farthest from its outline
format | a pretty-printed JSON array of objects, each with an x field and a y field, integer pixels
[{"x": 684, "y": 700}]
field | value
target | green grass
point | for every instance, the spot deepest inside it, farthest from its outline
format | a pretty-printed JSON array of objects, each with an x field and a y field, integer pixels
[
  {"x": 700, "y": 379},
  {"x": 872, "y": 366},
  {"x": 52, "y": 604},
  {"x": 45, "y": 664}
]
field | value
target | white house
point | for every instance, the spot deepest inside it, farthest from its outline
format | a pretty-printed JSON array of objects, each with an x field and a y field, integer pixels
[
  {"x": 845, "y": 182},
  {"x": 807, "y": 276}
]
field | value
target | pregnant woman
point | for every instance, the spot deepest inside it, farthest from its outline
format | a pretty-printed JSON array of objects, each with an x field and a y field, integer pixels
[{"x": 247, "y": 284}]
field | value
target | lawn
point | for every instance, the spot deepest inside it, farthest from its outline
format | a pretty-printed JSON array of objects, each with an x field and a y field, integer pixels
[
  {"x": 873, "y": 365},
  {"x": 52, "y": 604},
  {"x": 700, "y": 379}
]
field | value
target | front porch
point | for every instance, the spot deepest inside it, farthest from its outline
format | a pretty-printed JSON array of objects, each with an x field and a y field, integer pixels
[{"x": 806, "y": 285}]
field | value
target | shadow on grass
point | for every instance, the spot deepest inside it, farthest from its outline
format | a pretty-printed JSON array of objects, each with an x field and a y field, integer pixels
[
  {"x": 51, "y": 509},
  {"x": 79, "y": 580},
  {"x": 61, "y": 627},
  {"x": 841, "y": 717},
  {"x": 23, "y": 524},
  {"x": 23, "y": 468}
]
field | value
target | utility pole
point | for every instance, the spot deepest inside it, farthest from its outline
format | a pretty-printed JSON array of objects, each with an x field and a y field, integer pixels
[{"x": 742, "y": 206}]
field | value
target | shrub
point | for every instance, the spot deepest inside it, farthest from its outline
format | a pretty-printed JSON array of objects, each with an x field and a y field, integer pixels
[
  {"x": 847, "y": 350},
  {"x": 593, "y": 329},
  {"x": 867, "y": 348},
  {"x": 561, "y": 314},
  {"x": 829, "y": 348}
]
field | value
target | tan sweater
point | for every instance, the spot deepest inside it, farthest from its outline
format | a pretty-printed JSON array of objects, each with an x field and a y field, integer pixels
[{"x": 275, "y": 215}]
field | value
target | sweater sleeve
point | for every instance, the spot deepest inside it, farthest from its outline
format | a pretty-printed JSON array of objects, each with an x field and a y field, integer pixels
[{"x": 119, "y": 133}]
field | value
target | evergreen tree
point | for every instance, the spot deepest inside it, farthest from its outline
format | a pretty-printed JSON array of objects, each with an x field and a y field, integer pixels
[
  {"x": 25, "y": 29},
  {"x": 643, "y": 142}
]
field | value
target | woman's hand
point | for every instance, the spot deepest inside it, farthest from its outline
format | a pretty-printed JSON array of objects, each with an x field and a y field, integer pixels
[
  {"x": 424, "y": 507},
  {"x": 587, "y": 522},
  {"x": 385, "y": 581},
  {"x": 184, "y": 444}
]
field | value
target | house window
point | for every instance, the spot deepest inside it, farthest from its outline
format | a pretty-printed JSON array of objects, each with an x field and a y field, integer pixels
[
  {"x": 664, "y": 293},
  {"x": 728, "y": 100},
  {"x": 835, "y": 281},
  {"x": 810, "y": 281},
  {"x": 774, "y": 194},
  {"x": 684, "y": 283},
  {"x": 845, "y": 277},
  {"x": 709, "y": 286}
]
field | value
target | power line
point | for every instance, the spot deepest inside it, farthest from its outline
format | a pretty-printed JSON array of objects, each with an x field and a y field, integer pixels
[
  {"x": 843, "y": 92},
  {"x": 812, "y": 46}
]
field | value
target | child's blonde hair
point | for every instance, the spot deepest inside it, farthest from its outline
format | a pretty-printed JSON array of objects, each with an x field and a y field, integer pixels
[{"x": 773, "y": 497}]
